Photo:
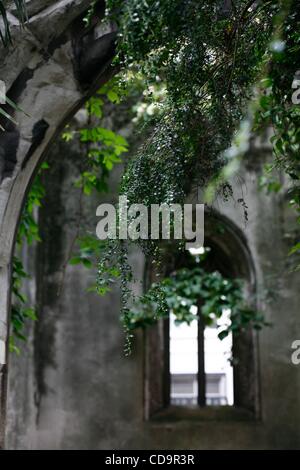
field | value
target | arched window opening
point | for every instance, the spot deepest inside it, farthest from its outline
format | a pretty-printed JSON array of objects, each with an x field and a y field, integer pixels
[
  {"x": 187, "y": 365},
  {"x": 201, "y": 372}
]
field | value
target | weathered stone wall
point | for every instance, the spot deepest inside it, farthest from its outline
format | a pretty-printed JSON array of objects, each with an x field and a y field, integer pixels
[{"x": 73, "y": 389}]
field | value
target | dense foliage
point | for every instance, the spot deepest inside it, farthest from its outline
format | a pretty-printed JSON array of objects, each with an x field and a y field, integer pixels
[
  {"x": 209, "y": 56},
  {"x": 103, "y": 151},
  {"x": 278, "y": 105},
  {"x": 210, "y": 292},
  {"x": 212, "y": 59}
]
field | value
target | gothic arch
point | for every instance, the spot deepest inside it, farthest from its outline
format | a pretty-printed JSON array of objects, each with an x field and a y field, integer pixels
[
  {"x": 53, "y": 56},
  {"x": 230, "y": 242}
]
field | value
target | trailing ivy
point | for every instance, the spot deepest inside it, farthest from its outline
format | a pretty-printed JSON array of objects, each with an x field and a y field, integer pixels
[
  {"x": 27, "y": 234},
  {"x": 207, "y": 56},
  {"x": 275, "y": 105},
  {"x": 279, "y": 106},
  {"x": 104, "y": 151}
]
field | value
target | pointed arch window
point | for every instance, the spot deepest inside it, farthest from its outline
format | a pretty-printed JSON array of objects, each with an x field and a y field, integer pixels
[{"x": 188, "y": 367}]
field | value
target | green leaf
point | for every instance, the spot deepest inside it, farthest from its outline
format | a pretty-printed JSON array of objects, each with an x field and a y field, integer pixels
[
  {"x": 113, "y": 96},
  {"x": 75, "y": 260},
  {"x": 294, "y": 249},
  {"x": 87, "y": 263},
  {"x": 30, "y": 313}
]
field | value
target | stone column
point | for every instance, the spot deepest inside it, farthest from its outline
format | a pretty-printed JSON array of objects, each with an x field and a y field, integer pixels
[{"x": 54, "y": 65}]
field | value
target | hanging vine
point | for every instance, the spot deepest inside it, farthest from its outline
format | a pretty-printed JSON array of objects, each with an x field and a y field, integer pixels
[{"x": 208, "y": 57}]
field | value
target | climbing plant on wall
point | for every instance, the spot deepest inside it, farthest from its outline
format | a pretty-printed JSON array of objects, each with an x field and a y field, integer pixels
[
  {"x": 28, "y": 233},
  {"x": 279, "y": 106},
  {"x": 211, "y": 59},
  {"x": 209, "y": 56},
  {"x": 104, "y": 151}
]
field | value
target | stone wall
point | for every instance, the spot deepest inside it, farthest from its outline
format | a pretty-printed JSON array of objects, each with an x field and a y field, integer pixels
[{"x": 73, "y": 389}]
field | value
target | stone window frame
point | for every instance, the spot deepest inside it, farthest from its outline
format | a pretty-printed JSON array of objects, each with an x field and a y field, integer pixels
[{"x": 231, "y": 245}]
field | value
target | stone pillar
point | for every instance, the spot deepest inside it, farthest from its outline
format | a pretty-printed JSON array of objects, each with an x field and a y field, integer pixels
[{"x": 55, "y": 64}]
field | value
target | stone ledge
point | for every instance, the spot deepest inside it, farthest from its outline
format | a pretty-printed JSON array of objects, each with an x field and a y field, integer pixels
[{"x": 174, "y": 414}]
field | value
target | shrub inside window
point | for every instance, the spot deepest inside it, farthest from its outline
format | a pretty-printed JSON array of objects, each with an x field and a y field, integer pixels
[{"x": 200, "y": 321}]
